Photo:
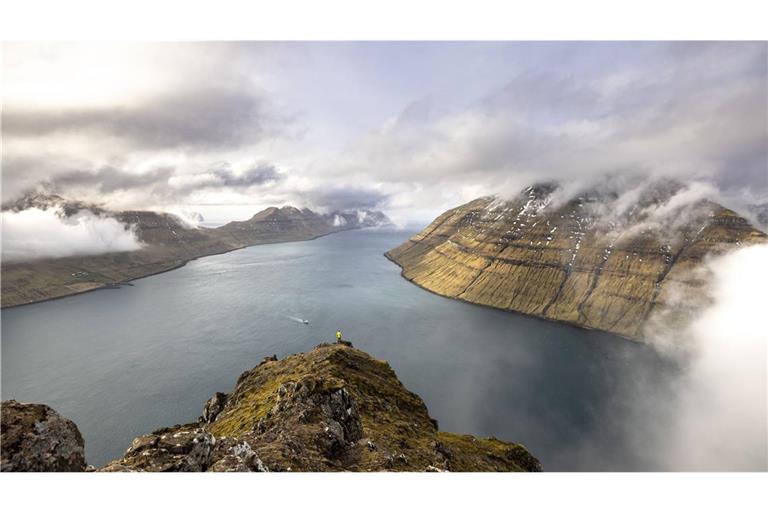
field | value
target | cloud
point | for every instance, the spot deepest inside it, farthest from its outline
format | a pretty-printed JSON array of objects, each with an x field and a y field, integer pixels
[
  {"x": 721, "y": 421},
  {"x": 37, "y": 234},
  {"x": 697, "y": 398},
  {"x": 203, "y": 118},
  {"x": 109, "y": 179},
  {"x": 684, "y": 116},
  {"x": 161, "y": 187},
  {"x": 345, "y": 198},
  {"x": 665, "y": 208},
  {"x": 424, "y": 130},
  {"x": 257, "y": 175}
]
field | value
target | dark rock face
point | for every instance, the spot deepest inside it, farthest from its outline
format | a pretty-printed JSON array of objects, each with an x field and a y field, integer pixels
[
  {"x": 37, "y": 438},
  {"x": 213, "y": 407},
  {"x": 597, "y": 259},
  {"x": 332, "y": 411}
]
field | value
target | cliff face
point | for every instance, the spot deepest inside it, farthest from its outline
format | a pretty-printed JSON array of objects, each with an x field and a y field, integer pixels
[
  {"x": 602, "y": 260},
  {"x": 167, "y": 244},
  {"x": 334, "y": 408}
]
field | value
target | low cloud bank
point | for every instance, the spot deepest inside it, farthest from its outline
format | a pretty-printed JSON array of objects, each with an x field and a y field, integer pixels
[
  {"x": 720, "y": 420},
  {"x": 698, "y": 401},
  {"x": 36, "y": 234}
]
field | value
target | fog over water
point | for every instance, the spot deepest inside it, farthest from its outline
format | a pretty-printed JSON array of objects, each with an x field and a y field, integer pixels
[{"x": 121, "y": 363}]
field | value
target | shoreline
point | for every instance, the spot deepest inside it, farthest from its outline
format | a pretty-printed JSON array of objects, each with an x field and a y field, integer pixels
[
  {"x": 512, "y": 311},
  {"x": 106, "y": 286}
]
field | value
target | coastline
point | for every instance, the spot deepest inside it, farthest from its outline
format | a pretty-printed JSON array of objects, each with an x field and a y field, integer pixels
[
  {"x": 512, "y": 311},
  {"x": 106, "y": 286}
]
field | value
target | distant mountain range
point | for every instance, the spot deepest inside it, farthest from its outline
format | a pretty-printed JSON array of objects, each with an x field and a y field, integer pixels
[
  {"x": 601, "y": 259},
  {"x": 168, "y": 242}
]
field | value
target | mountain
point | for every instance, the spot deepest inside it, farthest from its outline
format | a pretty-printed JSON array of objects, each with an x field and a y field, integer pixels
[
  {"x": 604, "y": 259},
  {"x": 289, "y": 223},
  {"x": 168, "y": 242},
  {"x": 334, "y": 408}
]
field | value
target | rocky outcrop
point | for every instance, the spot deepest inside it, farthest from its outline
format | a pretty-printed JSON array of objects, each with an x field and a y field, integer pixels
[
  {"x": 595, "y": 259},
  {"x": 168, "y": 243},
  {"x": 334, "y": 408},
  {"x": 213, "y": 407},
  {"x": 34, "y": 437}
]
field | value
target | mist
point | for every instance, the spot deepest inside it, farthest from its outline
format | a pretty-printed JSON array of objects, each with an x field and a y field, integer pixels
[
  {"x": 705, "y": 410},
  {"x": 34, "y": 234},
  {"x": 720, "y": 421}
]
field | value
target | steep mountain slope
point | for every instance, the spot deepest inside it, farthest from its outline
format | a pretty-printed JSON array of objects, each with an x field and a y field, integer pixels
[
  {"x": 167, "y": 243},
  {"x": 602, "y": 259},
  {"x": 333, "y": 408}
]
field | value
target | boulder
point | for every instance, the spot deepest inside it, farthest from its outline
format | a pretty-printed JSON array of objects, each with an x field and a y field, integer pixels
[{"x": 36, "y": 438}]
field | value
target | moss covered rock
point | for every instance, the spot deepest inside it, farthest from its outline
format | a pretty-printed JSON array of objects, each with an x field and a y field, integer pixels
[
  {"x": 334, "y": 408},
  {"x": 34, "y": 437}
]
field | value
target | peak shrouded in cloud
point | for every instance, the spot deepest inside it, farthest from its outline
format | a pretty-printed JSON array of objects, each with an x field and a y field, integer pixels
[{"x": 228, "y": 128}]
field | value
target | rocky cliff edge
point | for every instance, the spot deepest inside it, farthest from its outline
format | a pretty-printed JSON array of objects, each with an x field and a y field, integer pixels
[{"x": 334, "y": 408}]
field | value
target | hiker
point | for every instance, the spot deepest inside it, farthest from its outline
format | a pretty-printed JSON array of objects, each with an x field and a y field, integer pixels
[{"x": 338, "y": 336}]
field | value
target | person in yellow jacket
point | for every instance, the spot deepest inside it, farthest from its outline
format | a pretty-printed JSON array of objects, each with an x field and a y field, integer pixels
[{"x": 338, "y": 336}]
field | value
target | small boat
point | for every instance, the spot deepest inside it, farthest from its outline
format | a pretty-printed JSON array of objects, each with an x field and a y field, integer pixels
[{"x": 305, "y": 322}]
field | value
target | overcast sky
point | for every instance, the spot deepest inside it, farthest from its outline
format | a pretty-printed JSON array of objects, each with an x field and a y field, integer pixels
[{"x": 410, "y": 128}]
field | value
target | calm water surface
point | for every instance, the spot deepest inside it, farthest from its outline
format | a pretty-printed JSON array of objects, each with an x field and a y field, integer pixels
[{"x": 121, "y": 363}]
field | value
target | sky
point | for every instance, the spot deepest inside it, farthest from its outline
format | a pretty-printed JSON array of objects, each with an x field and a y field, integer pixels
[{"x": 410, "y": 128}]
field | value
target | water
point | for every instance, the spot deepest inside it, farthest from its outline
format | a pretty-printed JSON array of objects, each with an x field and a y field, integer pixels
[{"x": 121, "y": 363}]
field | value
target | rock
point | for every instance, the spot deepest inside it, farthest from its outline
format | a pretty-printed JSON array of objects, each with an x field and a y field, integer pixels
[
  {"x": 318, "y": 411},
  {"x": 335, "y": 433},
  {"x": 235, "y": 456},
  {"x": 181, "y": 448},
  {"x": 36, "y": 438},
  {"x": 315, "y": 405},
  {"x": 524, "y": 459},
  {"x": 268, "y": 359},
  {"x": 213, "y": 407},
  {"x": 392, "y": 461}
]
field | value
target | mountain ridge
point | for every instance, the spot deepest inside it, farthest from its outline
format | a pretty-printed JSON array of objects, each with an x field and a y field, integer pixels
[
  {"x": 599, "y": 259},
  {"x": 168, "y": 242}
]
